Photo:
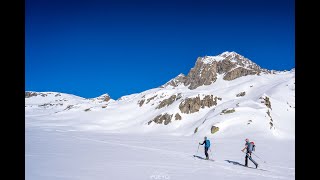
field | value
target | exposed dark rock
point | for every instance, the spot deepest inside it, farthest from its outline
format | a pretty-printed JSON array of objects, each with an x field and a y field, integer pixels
[
  {"x": 196, "y": 130},
  {"x": 192, "y": 105},
  {"x": 268, "y": 112},
  {"x": 267, "y": 102},
  {"x": 241, "y": 94},
  {"x": 46, "y": 105},
  {"x": 180, "y": 79},
  {"x": 228, "y": 111},
  {"x": 214, "y": 129},
  {"x": 165, "y": 119},
  {"x": 69, "y": 107},
  {"x": 166, "y": 102},
  {"x": 30, "y": 94},
  {"x": 178, "y": 96},
  {"x": 239, "y": 72},
  {"x": 104, "y": 98},
  {"x": 149, "y": 99},
  {"x": 208, "y": 101},
  {"x": 178, "y": 117},
  {"x": 140, "y": 102},
  {"x": 271, "y": 124}
]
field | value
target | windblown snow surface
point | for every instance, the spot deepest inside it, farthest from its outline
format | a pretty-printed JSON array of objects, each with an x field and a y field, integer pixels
[{"x": 69, "y": 137}]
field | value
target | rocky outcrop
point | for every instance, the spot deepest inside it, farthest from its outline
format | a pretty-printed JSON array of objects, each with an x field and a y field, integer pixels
[
  {"x": 208, "y": 101},
  {"x": 227, "y": 111},
  {"x": 104, "y": 97},
  {"x": 241, "y": 94},
  {"x": 46, "y": 105},
  {"x": 214, "y": 129},
  {"x": 192, "y": 105},
  {"x": 177, "y": 117},
  {"x": 271, "y": 125},
  {"x": 179, "y": 96},
  {"x": 166, "y": 102},
  {"x": 69, "y": 107},
  {"x": 196, "y": 130},
  {"x": 165, "y": 119},
  {"x": 140, "y": 102},
  {"x": 239, "y": 72},
  {"x": 201, "y": 74},
  {"x": 267, "y": 102},
  {"x": 30, "y": 94},
  {"x": 180, "y": 79},
  {"x": 149, "y": 99},
  {"x": 271, "y": 120},
  {"x": 268, "y": 112}
]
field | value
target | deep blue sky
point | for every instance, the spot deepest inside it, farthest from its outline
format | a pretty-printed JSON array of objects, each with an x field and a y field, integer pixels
[{"x": 92, "y": 47}]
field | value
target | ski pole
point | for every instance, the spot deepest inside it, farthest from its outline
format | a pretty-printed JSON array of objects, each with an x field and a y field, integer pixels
[
  {"x": 259, "y": 158},
  {"x": 256, "y": 156},
  {"x": 198, "y": 149}
]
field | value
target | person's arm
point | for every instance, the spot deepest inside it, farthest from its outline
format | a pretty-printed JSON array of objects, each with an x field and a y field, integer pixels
[
  {"x": 244, "y": 148},
  {"x": 202, "y": 143}
]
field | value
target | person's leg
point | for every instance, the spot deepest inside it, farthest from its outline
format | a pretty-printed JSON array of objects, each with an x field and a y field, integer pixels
[
  {"x": 256, "y": 164},
  {"x": 206, "y": 152},
  {"x": 246, "y": 160}
]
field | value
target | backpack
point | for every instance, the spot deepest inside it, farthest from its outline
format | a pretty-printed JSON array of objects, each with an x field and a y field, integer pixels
[
  {"x": 253, "y": 146},
  {"x": 207, "y": 143}
]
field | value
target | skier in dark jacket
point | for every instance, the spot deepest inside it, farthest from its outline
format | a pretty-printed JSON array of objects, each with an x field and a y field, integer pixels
[
  {"x": 249, "y": 148},
  {"x": 206, "y": 143}
]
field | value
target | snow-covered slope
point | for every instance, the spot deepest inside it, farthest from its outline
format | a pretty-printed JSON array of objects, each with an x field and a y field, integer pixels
[
  {"x": 53, "y": 154},
  {"x": 262, "y": 104},
  {"x": 153, "y": 134}
]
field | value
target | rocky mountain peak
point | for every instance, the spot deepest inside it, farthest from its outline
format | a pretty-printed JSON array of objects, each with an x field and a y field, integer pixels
[
  {"x": 229, "y": 64},
  {"x": 229, "y": 54},
  {"x": 103, "y": 97}
]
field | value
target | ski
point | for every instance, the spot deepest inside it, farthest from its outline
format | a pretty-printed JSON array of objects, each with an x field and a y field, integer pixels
[
  {"x": 254, "y": 168},
  {"x": 199, "y": 157},
  {"x": 239, "y": 164}
]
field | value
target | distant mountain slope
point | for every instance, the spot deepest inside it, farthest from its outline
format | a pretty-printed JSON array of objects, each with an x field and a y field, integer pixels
[{"x": 225, "y": 95}]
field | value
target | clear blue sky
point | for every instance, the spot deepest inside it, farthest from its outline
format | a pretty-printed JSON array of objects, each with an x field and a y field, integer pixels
[{"x": 92, "y": 47}]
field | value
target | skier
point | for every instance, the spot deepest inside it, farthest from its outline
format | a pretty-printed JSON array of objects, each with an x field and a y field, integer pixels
[
  {"x": 206, "y": 143},
  {"x": 249, "y": 148}
]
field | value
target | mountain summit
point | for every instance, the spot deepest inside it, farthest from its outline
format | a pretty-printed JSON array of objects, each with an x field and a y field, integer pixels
[{"x": 230, "y": 65}]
